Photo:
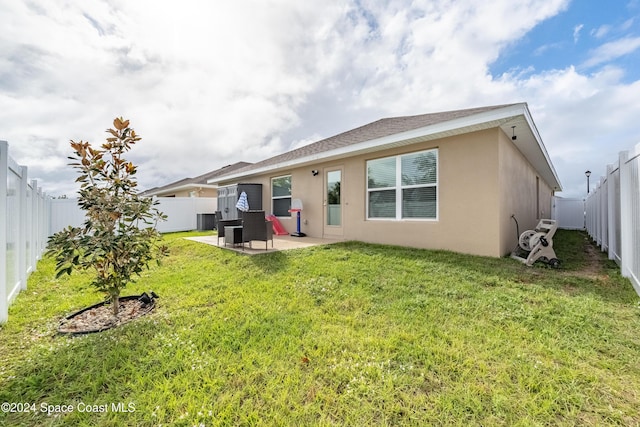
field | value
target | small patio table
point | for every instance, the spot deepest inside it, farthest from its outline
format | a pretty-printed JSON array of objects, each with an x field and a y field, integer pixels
[{"x": 233, "y": 235}]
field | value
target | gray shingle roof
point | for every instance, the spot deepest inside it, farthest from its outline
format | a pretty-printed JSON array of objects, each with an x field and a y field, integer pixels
[
  {"x": 371, "y": 131},
  {"x": 198, "y": 180}
]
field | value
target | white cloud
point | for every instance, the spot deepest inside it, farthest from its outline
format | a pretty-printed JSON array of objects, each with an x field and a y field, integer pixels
[
  {"x": 612, "y": 50},
  {"x": 211, "y": 83},
  {"x": 626, "y": 25},
  {"x": 585, "y": 121},
  {"x": 194, "y": 79},
  {"x": 544, "y": 49},
  {"x": 601, "y": 31},
  {"x": 576, "y": 32}
]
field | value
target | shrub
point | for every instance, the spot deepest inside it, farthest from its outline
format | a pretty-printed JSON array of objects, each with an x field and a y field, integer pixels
[{"x": 119, "y": 236}]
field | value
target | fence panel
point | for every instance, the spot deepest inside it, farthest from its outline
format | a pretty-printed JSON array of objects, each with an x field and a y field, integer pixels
[
  {"x": 12, "y": 267},
  {"x": 604, "y": 214},
  {"x": 29, "y": 265},
  {"x": 203, "y": 205},
  {"x": 569, "y": 213},
  {"x": 613, "y": 214},
  {"x": 182, "y": 213},
  {"x": 22, "y": 235},
  {"x": 630, "y": 214},
  {"x": 4, "y": 174},
  {"x": 65, "y": 213},
  {"x": 613, "y": 211}
]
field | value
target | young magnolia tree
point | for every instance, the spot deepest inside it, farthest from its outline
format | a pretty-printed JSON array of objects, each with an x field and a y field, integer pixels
[{"x": 119, "y": 236}]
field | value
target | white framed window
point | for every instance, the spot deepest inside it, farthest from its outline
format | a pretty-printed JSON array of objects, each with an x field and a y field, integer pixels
[
  {"x": 403, "y": 187},
  {"x": 281, "y": 195}
]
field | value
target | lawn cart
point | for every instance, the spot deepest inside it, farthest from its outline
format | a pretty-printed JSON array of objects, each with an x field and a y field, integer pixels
[{"x": 538, "y": 244}]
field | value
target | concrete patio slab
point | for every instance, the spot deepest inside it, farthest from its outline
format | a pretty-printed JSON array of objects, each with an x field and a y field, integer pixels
[{"x": 280, "y": 243}]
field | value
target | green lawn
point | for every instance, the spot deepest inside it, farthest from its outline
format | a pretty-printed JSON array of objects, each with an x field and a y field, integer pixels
[{"x": 345, "y": 334}]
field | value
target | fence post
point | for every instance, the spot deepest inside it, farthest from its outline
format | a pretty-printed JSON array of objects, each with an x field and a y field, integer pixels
[
  {"x": 589, "y": 219},
  {"x": 626, "y": 244},
  {"x": 41, "y": 222},
  {"x": 604, "y": 212},
  {"x": 35, "y": 215},
  {"x": 612, "y": 211},
  {"x": 4, "y": 169},
  {"x": 594, "y": 211},
  {"x": 22, "y": 230}
]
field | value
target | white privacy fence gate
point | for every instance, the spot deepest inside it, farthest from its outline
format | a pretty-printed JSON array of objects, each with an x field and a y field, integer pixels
[
  {"x": 569, "y": 213},
  {"x": 613, "y": 214},
  {"x": 24, "y": 228}
]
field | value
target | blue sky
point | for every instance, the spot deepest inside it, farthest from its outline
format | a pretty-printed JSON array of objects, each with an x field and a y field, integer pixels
[
  {"x": 211, "y": 83},
  {"x": 574, "y": 37}
]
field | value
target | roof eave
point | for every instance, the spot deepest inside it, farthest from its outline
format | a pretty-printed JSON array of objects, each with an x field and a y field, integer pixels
[
  {"x": 556, "y": 180},
  {"x": 529, "y": 143},
  {"x": 500, "y": 117},
  {"x": 180, "y": 188}
]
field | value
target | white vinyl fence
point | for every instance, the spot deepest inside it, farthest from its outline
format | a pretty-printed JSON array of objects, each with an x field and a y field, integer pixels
[
  {"x": 613, "y": 214},
  {"x": 182, "y": 213},
  {"x": 28, "y": 217},
  {"x": 569, "y": 213},
  {"x": 24, "y": 228}
]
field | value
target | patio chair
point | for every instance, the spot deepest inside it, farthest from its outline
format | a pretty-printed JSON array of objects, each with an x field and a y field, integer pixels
[
  {"x": 221, "y": 223},
  {"x": 218, "y": 218},
  {"x": 256, "y": 227}
]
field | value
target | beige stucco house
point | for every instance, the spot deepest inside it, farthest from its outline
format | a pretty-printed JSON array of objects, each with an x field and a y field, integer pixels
[
  {"x": 450, "y": 180},
  {"x": 193, "y": 187}
]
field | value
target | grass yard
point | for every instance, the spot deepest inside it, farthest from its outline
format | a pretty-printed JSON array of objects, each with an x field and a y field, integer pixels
[{"x": 346, "y": 334}]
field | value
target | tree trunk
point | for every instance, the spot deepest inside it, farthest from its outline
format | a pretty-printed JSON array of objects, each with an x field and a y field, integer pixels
[{"x": 115, "y": 303}]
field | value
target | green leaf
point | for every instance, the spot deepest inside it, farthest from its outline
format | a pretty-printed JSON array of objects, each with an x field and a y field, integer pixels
[{"x": 61, "y": 272}]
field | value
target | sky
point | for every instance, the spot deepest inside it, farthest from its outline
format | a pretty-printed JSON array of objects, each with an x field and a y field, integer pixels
[{"x": 206, "y": 84}]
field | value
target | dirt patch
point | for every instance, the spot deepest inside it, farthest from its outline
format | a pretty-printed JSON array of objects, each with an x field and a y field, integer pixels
[
  {"x": 100, "y": 316},
  {"x": 591, "y": 265},
  {"x": 593, "y": 258}
]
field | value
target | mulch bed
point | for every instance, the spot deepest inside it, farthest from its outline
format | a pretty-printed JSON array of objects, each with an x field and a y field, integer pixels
[{"x": 100, "y": 317}]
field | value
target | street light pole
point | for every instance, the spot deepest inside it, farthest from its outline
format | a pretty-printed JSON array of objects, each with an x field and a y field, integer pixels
[{"x": 588, "y": 174}]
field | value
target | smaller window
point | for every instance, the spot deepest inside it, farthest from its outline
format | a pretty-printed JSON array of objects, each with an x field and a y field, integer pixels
[{"x": 281, "y": 195}]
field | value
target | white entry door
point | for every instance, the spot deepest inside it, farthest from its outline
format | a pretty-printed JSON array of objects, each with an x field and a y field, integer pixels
[{"x": 333, "y": 202}]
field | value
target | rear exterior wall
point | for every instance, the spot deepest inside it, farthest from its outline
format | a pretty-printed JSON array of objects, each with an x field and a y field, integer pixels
[
  {"x": 483, "y": 180},
  {"x": 468, "y": 198}
]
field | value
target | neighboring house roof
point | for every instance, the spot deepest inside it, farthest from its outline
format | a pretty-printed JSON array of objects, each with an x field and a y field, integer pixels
[
  {"x": 198, "y": 182},
  {"x": 398, "y": 131}
]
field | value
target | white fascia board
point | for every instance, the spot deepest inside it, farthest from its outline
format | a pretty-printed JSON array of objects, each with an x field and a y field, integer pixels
[
  {"x": 183, "y": 187},
  {"x": 489, "y": 119},
  {"x": 543, "y": 149}
]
